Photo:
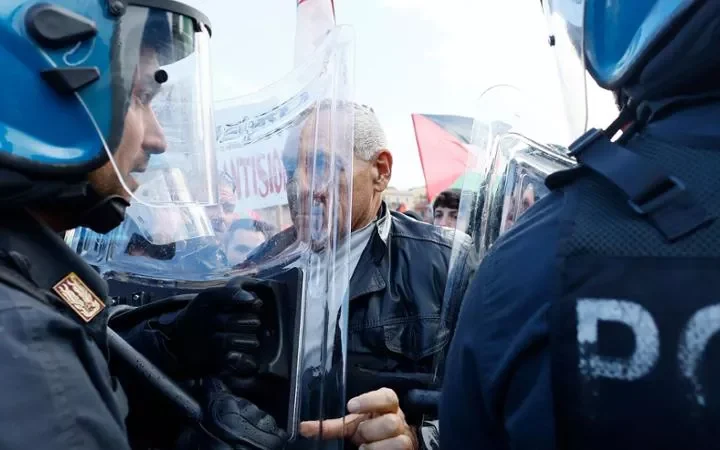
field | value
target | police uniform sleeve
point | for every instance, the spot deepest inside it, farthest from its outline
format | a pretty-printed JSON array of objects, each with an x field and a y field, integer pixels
[
  {"x": 57, "y": 393},
  {"x": 497, "y": 390}
]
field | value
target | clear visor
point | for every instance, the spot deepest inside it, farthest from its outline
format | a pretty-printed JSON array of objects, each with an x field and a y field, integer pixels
[
  {"x": 586, "y": 104},
  {"x": 161, "y": 142},
  {"x": 284, "y": 163},
  {"x": 285, "y": 159}
]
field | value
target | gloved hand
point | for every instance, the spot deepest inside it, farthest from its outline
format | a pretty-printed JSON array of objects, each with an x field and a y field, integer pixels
[
  {"x": 216, "y": 334},
  {"x": 212, "y": 335},
  {"x": 231, "y": 423}
]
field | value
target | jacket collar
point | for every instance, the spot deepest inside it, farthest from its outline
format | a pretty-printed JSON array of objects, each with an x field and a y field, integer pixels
[
  {"x": 372, "y": 270},
  {"x": 384, "y": 222}
]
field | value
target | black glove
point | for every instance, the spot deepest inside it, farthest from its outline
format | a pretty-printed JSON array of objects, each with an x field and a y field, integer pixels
[
  {"x": 217, "y": 333},
  {"x": 214, "y": 334},
  {"x": 230, "y": 423}
]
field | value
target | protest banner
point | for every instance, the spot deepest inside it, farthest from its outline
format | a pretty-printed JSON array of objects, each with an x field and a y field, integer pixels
[
  {"x": 253, "y": 162},
  {"x": 258, "y": 173}
]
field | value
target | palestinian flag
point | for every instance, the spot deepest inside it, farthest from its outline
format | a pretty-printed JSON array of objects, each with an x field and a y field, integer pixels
[{"x": 444, "y": 147}]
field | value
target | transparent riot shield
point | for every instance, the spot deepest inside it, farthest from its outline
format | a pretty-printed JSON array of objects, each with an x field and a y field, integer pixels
[
  {"x": 284, "y": 187},
  {"x": 520, "y": 154},
  {"x": 503, "y": 179}
]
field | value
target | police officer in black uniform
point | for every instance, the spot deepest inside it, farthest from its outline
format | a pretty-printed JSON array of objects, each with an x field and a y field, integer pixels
[
  {"x": 80, "y": 132},
  {"x": 592, "y": 324}
]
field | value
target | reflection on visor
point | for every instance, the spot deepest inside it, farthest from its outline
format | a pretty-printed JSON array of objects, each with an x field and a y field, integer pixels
[
  {"x": 528, "y": 191},
  {"x": 161, "y": 226},
  {"x": 171, "y": 35},
  {"x": 269, "y": 176}
]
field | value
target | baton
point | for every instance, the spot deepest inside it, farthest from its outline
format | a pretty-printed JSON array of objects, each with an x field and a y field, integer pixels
[{"x": 147, "y": 371}]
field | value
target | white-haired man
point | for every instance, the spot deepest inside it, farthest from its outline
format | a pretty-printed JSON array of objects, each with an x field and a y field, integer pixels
[{"x": 395, "y": 309}]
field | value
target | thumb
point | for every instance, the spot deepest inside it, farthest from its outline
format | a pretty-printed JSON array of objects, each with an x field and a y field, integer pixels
[
  {"x": 230, "y": 299},
  {"x": 261, "y": 288}
]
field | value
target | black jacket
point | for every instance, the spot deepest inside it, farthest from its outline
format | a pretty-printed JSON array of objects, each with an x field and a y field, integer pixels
[
  {"x": 397, "y": 294},
  {"x": 58, "y": 391}
]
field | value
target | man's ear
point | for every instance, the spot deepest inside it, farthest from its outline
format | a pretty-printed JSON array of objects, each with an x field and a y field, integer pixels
[{"x": 383, "y": 170}]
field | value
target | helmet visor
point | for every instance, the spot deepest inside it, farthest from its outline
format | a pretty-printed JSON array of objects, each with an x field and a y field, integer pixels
[
  {"x": 161, "y": 139},
  {"x": 587, "y": 105}
]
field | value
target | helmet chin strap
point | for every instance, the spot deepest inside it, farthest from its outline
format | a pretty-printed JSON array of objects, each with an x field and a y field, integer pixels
[
  {"x": 61, "y": 197},
  {"x": 105, "y": 214},
  {"x": 88, "y": 208}
]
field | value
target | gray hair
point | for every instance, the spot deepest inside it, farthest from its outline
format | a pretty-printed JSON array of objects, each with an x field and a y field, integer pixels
[{"x": 369, "y": 135}]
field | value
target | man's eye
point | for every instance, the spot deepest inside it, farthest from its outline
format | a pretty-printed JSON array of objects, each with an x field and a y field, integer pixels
[
  {"x": 142, "y": 98},
  {"x": 145, "y": 96}
]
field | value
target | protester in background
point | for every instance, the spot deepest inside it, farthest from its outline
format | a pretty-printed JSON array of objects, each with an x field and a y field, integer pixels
[
  {"x": 223, "y": 214},
  {"x": 243, "y": 237},
  {"x": 396, "y": 318},
  {"x": 529, "y": 197},
  {"x": 445, "y": 208}
]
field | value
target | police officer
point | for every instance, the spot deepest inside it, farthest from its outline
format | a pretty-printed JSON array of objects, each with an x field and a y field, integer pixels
[
  {"x": 80, "y": 133},
  {"x": 590, "y": 324}
]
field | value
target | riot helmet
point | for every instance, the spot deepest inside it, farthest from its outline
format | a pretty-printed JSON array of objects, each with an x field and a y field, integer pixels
[
  {"x": 104, "y": 102},
  {"x": 608, "y": 45}
]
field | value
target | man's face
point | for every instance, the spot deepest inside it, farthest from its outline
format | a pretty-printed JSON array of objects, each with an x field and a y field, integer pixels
[
  {"x": 142, "y": 135},
  {"x": 223, "y": 214},
  {"x": 514, "y": 212},
  {"x": 528, "y": 198},
  {"x": 319, "y": 176},
  {"x": 445, "y": 217},
  {"x": 240, "y": 243}
]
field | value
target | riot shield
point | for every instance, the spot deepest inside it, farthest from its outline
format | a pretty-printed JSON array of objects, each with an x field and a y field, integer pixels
[
  {"x": 502, "y": 180},
  {"x": 284, "y": 187},
  {"x": 504, "y": 177},
  {"x": 519, "y": 155}
]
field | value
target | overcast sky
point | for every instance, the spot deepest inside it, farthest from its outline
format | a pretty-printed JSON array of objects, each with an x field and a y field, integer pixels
[{"x": 411, "y": 56}]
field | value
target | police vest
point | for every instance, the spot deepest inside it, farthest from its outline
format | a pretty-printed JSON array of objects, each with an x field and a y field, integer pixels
[{"x": 635, "y": 333}]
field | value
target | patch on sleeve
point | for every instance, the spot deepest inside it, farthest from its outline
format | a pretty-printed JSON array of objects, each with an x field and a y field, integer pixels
[{"x": 79, "y": 297}]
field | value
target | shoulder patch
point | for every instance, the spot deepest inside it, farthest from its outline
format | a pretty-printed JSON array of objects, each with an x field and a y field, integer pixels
[{"x": 79, "y": 297}]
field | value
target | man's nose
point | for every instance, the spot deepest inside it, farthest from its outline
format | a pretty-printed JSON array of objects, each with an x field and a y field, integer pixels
[{"x": 154, "y": 141}]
